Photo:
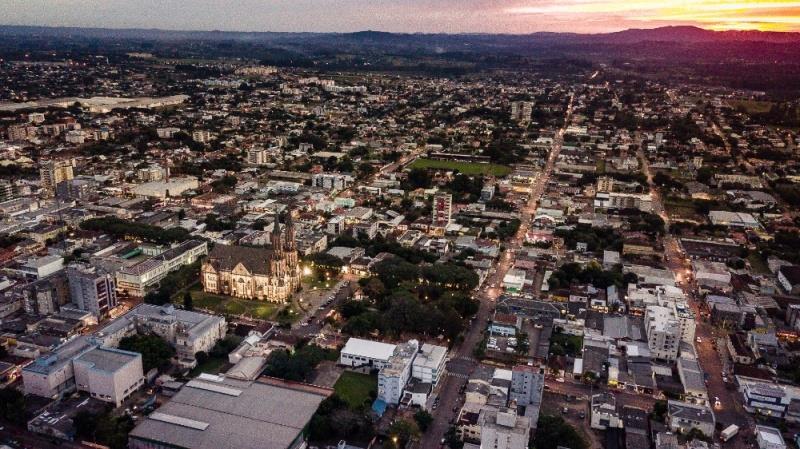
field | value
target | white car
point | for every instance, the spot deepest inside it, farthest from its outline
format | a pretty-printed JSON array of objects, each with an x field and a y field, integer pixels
[{"x": 699, "y": 340}]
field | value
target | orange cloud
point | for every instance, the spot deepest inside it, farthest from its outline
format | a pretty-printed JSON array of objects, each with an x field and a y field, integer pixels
[{"x": 772, "y": 15}]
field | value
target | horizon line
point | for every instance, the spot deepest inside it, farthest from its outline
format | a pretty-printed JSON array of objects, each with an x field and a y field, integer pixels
[{"x": 466, "y": 33}]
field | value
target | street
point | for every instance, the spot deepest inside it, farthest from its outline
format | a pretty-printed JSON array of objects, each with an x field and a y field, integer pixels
[{"x": 449, "y": 394}]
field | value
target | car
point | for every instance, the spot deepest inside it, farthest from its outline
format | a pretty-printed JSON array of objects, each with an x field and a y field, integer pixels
[
  {"x": 547, "y": 387},
  {"x": 698, "y": 339},
  {"x": 582, "y": 414},
  {"x": 565, "y": 410}
]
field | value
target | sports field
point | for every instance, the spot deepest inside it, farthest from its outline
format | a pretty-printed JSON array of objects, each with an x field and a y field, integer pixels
[{"x": 467, "y": 168}]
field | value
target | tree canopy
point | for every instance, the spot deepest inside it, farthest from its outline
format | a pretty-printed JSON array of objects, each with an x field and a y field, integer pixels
[{"x": 156, "y": 352}]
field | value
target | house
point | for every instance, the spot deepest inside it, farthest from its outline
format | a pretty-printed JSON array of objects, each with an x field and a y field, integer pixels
[
  {"x": 682, "y": 417},
  {"x": 604, "y": 412}
]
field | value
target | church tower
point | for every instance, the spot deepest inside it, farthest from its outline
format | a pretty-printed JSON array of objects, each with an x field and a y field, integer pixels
[
  {"x": 289, "y": 240},
  {"x": 275, "y": 238}
]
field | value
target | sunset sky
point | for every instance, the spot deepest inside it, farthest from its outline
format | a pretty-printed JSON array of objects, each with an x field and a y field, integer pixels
[{"x": 450, "y": 16}]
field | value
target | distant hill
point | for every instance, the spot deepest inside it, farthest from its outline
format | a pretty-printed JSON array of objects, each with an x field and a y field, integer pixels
[
  {"x": 692, "y": 34},
  {"x": 684, "y": 34}
]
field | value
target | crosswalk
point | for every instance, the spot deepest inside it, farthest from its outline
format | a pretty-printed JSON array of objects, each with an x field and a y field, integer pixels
[{"x": 457, "y": 375}]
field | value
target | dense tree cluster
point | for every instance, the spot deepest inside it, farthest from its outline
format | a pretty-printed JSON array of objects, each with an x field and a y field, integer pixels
[
  {"x": 334, "y": 420},
  {"x": 553, "y": 432},
  {"x": 405, "y": 297},
  {"x": 596, "y": 239},
  {"x": 156, "y": 352},
  {"x": 297, "y": 365},
  {"x": 106, "y": 428},
  {"x": 12, "y": 406},
  {"x": 128, "y": 229},
  {"x": 593, "y": 273},
  {"x": 172, "y": 283}
]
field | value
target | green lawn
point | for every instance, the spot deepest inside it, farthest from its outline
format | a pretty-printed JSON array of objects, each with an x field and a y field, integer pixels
[
  {"x": 213, "y": 365},
  {"x": 226, "y": 305},
  {"x": 467, "y": 168},
  {"x": 752, "y": 106},
  {"x": 355, "y": 388},
  {"x": 757, "y": 263}
]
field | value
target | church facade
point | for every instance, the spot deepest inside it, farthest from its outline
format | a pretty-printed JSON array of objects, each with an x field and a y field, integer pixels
[{"x": 266, "y": 274}]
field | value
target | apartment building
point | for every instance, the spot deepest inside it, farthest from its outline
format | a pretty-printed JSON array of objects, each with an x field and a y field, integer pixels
[
  {"x": 663, "y": 332},
  {"x": 92, "y": 289}
]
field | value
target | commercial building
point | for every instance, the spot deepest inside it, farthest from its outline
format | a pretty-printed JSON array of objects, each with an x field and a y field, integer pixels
[
  {"x": 107, "y": 374},
  {"x": 166, "y": 188},
  {"x": 188, "y": 331},
  {"x": 136, "y": 279},
  {"x": 41, "y": 267},
  {"x": 366, "y": 353},
  {"x": 769, "y": 438},
  {"x": 213, "y": 412},
  {"x": 765, "y": 399},
  {"x": 92, "y": 289},
  {"x": 52, "y": 376},
  {"x": 502, "y": 428}
]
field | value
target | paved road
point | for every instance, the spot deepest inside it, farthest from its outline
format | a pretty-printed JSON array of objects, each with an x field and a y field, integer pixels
[
  {"x": 449, "y": 393},
  {"x": 709, "y": 356}
]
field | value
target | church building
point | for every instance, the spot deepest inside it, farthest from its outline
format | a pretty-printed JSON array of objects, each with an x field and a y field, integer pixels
[{"x": 267, "y": 274}]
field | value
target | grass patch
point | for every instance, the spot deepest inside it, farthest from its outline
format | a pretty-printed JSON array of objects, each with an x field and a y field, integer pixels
[
  {"x": 467, "y": 168},
  {"x": 355, "y": 388},
  {"x": 752, "y": 106},
  {"x": 212, "y": 365},
  {"x": 225, "y": 305},
  {"x": 757, "y": 263},
  {"x": 565, "y": 344}
]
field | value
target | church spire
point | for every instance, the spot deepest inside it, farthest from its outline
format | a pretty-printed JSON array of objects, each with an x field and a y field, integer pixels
[
  {"x": 289, "y": 239},
  {"x": 276, "y": 234}
]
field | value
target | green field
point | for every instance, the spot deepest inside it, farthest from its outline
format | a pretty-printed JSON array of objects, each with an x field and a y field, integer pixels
[
  {"x": 226, "y": 305},
  {"x": 355, "y": 388},
  {"x": 467, "y": 168},
  {"x": 752, "y": 106},
  {"x": 213, "y": 365}
]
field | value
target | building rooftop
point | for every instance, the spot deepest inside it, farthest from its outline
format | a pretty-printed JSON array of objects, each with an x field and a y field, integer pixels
[
  {"x": 212, "y": 412},
  {"x": 107, "y": 359},
  {"x": 371, "y": 349}
]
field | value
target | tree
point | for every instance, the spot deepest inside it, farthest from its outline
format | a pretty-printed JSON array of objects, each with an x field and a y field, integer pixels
[
  {"x": 12, "y": 406},
  {"x": 659, "y": 411},
  {"x": 187, "y": 301},
  {"x": 553, "y": 431},
  {"x": 156, "y": 352},
  {"x": 423, "y": 419},
  {"x": 401, "y": 432},
  {"x": 419, "y": 178}
]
